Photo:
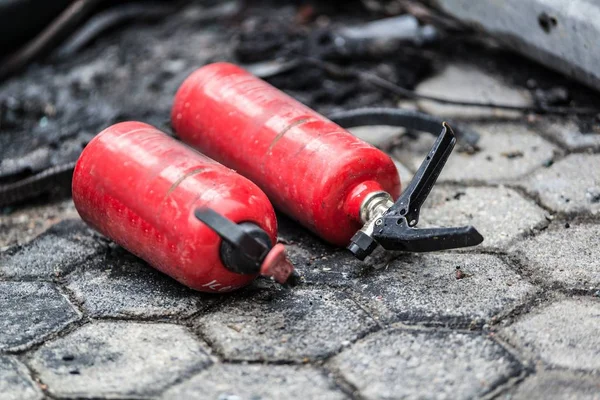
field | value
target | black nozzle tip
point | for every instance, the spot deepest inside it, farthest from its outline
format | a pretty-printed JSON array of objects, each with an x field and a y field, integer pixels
[
  {"x": 293, "y": 280},
  {"x": 357, "y": 251},
  {"x": 235, "y": 257},
  {"x": 362, "y": 245},
  {"x": 244, "y": 245}
]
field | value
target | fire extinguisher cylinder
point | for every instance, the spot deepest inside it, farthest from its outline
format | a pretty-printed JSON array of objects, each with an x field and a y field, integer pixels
[
  {"x": 337, "y": 185},
  {"x": 185, "y": 214},
  {"x": 310, "y": 168}
]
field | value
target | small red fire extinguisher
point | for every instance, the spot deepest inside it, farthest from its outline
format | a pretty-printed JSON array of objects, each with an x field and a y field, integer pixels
[
  {"x": 185, "y": 214},
  {"x": 343, "y": 189}
]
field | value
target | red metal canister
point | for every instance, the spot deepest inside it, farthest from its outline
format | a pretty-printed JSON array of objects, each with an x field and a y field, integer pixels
[
  {"x": 311, "y": 168},
  {"x": 140, "y": 188}
]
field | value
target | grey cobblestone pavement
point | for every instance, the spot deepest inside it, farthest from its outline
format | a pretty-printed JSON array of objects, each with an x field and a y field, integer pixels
[{"x": 82, "y": 318}]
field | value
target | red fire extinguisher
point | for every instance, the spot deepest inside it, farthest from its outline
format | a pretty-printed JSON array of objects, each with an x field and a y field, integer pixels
[
  {"x": 340, "y": 187},
  {"x": 185, "y": 214}
]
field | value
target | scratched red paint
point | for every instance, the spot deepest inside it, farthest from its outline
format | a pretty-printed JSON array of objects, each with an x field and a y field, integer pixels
[{"x": 311, "y": 168}]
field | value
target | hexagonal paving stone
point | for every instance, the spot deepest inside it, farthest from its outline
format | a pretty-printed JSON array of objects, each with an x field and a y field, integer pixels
[
  {"x": 500, "y": 214},
  {"x": 30, "y": 312},
  {"x": 570, "y": 136},
  {"x": 423, "y": 289},
  {"x": 557, "y": 385},
  {"x": 564, "y": 256},
  {"x": 122, "y": 285},
  {"x": 252, "y": 382},
  {"x": 118, "y": 359},
  {"x": 316, "y": 261},
  {"x": 320, "y": 263},
  {"x": 564, "y": 334},
  {"x": 15, "y": 383},
  {"x": 569, "y": 186},
  {"x": 24, "y": 224},
  {"x": 336, "y": 268},
  {"x": 469, "y": 83},
  {"x": 54, "y": 253},
  {"x": 399, "y": 364},
  {"x": 506, "y": 152},
  {"x": 279, "y": 325}
]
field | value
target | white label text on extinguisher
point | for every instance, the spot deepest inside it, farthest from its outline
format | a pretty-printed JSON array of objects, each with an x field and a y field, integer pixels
[{"x": 215, "y": 285}]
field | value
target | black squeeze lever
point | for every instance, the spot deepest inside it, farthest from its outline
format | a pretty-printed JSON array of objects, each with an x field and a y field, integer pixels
[
  {"x": 247, "y": 249},
  {"x": 392, "y": 224}
]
